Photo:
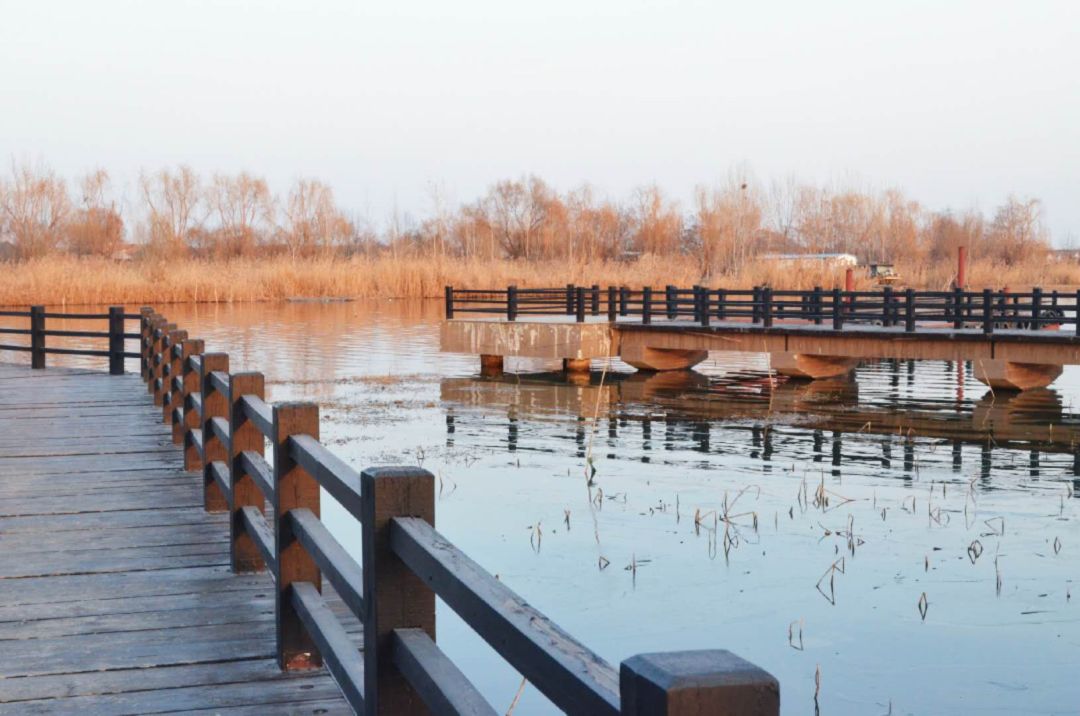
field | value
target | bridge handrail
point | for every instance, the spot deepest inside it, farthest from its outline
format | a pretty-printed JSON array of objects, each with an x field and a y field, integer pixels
[
  {"x": 225, "y": 424},
  {"x": 115, "y": 335},
  {"x": 985, "y": 310}
]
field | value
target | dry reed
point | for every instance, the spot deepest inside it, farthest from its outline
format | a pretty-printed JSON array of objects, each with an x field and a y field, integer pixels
[{"x": 67, "y": 280}]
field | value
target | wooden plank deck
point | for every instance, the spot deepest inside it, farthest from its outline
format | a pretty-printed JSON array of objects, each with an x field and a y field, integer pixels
[{"x": 115, "y": 590}]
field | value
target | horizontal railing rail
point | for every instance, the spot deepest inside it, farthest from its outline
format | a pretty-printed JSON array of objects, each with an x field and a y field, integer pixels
[
  {"x": 225, "y": 425},
  {"x": 38, "y": 331},
  {"x": 761, "y": 306}
]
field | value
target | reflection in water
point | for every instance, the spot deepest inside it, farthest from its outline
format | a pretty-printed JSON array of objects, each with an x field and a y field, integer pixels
[
  {"x": 784, "y": 419},
  {"x": 731, "y": 494}
]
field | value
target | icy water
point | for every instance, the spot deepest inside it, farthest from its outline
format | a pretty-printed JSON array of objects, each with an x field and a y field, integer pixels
[{"x": 908, "y": 537}]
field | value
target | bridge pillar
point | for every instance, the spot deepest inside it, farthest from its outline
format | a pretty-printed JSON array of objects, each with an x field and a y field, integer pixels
[
  {"x": 491, "y": 366},
  {"x": 1008, "y": 375},
  {"x": 806, "y": 365},
  {"x": 576, "y": 365},
  {"x": 657, "y": 359}
]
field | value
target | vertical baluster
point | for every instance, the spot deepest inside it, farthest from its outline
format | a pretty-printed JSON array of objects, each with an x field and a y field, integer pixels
[
  {"x": 612, "y": 304},
  {"x": 580, "y": 290},
  {"x": 624, "y": 300},
  {"x": 988, "y": 311},
  {"x": 449, "y": 300},
  {"x": 669, "y": 296},
  {"x": 511, "y": 303},
  {"x": 294, "y": 488},
  {"x": 837, "y": 310},
  {"x": 214, "y": 405},
  {"x": 819, "y": 306},
  {"x": 37, "y": 337},
  {"x": 595, "y": 294},
  {"x": 244, "y": 435},
  {"x": 570, "y": 293},
  {"x": 957, "y": 308},
  {"x": 172, "y": 369},
  {"x": 144, "y": 331},
  {"x": 721, "y": 304},
  {"x": 706, "y": 305},
  {"x": 160, "y": 358},
  {"x": 646, "y": 305},
  {"x": 192, "y": 418},
  {"x": 1036, "y": 308},
  {"x": 394, "y": 597},
  {"x": 909, "y": 310},
  {"x": 766, "y": 307},
  {"x": 116, "y": 340}
]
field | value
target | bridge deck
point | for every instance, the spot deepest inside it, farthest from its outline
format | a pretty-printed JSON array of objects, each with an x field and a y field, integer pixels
[{"x": 116, "y": 591}]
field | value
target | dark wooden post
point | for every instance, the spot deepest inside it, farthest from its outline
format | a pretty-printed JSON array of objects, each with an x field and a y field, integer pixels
[
  {"x": 394, "y": 597},
  {"x": 145, "y": 314},
  {"x": 816, "y": 304},
  {"x": 448, "y": 294},
  {"x": 988, "y": 311},
  {"x": 837, "y": 310},
  {"x": 293, "y": 488},
  {"x": 180, "y": 397},
  {"x": 690, "y": 683},
  {"x": 646, "y": 305},
  {"x": 570, "y": 294},
  {"x": 160, "y": 358},
  {"x": 192, "y": 380},
  {"x": 214, "y": 405},
  {"x": 909, "y": 310},
  {"x": 695, "y": 302},
  {"x": 755, "y": 305},
  {"x": 706, "y": 305},
  {"x": 957, "y": 307},
  {"x": 612, "y": 304},
  {"x": 1036, "y": 308},
  {"x": 595, "y": 299},
  {"x": 580, "y": 308},
  {"x": 766, "y": 307},
  {"x": 244, "y": 435},
  {"x": 511, "y": 303},
  {"x": 156, "y": 323},
  {"x": 624, "y": 300},
  {"x": 887, "y": 306},
  {"x": 37, "y": 337},
  {"x": 173, "y": 369},
  {"x": 721, "y": 304},
  {"x": 116, "y": 340},
  {"x": 1076, "y": 313}
]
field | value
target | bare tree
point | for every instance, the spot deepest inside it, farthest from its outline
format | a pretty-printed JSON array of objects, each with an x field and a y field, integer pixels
[
  {"x": 96, "y": 227},
  {"x": 176, "y": 210},
  {"x": 244, "y": 209},
  {"x": 312, "y": 220},
  {"x": 35, "y": 207}
]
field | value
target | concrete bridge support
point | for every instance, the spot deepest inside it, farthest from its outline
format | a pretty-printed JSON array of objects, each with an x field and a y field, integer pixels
[{"x": 1010, "y": 375}]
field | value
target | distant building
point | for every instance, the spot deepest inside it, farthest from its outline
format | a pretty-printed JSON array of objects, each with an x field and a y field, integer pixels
[
  {"x": 830, "y": 260},
  {"x": 1066, "y": 255}
]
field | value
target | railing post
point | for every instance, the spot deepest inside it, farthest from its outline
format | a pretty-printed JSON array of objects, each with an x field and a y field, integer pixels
[
  {"x": 173, "y": 368},
  {"x": 695, "y": 292},
  {"x": 646, "y": 305},
  {"x": 817, "y": 307},
  {"x": 1036, "y": 308},
  {"x": 188, "y": 380},
  {"x": 116, "y": 340},
  {"x": 624, "y": 300},
  {"x": 909, "y": 310},
  {"x": 214, "y": 405},
  {"x": 706, "y": 305},
  {"x": 394, "y": 597},
  {"x": 159, "y": 360},
  {"x": 596, "y": 299},
  {"x": 37, "y": 337},
  {"x": 755, "y": 305},
  {"x": 580, "y": 308},
  {"x": 721, "y": 304},
  {"x": 144, "y": 331},
  {"x": 766, "y": 307},
  {"x": 612, "y": 304},
  {"x": 837, "y": 310},
  {"x": 887, "y": 306},
  {"x": 988, "y": 311},
  {"x": 293, "y": 488},
  {"x": 570, "y": 294},
  {"x": 448, "y": 294},
  {"x": 156, "y": 322},
  {"x": 669, "y": 298},
  {"x": 1076, "y": 312},
  {"x": 688, "y": 683},
  {"x": 192, "y": 386},
  {"x": 244, "y": 435},
  {"x": 958, "y": 311},
  {"x": 511, "y": 303}
]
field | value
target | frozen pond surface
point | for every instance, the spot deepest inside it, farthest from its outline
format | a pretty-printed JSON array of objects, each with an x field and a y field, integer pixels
[{"x": 853, "y": 508}]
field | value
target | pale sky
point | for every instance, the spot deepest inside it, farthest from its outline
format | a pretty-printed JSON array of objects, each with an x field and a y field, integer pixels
[{"x": 957, "y": 103}]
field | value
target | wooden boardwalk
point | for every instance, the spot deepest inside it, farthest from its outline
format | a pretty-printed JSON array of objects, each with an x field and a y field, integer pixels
[{"x": 115, "y": 590}]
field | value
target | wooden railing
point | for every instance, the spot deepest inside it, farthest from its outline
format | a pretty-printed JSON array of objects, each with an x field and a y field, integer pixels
[
  {"x": 38, "y": 332},
  {"x": 224, "y": 423},
  {"x": 985, "y": 310}
]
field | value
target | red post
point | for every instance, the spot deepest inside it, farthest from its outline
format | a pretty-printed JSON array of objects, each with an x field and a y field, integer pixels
[{"x": 961, "y": 267}]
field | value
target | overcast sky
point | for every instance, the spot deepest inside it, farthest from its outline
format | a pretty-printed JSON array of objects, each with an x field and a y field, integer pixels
[{"x": 958, "y": 103}]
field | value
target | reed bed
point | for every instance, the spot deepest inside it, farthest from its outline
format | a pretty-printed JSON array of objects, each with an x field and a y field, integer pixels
[{"x": 72, "y": 281}]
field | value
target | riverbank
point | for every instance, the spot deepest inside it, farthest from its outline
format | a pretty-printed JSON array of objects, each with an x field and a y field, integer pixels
[{"x": 74, "y": 281}]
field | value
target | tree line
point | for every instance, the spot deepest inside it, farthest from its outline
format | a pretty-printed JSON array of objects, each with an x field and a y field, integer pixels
[{"x": 179, "y": 213}]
